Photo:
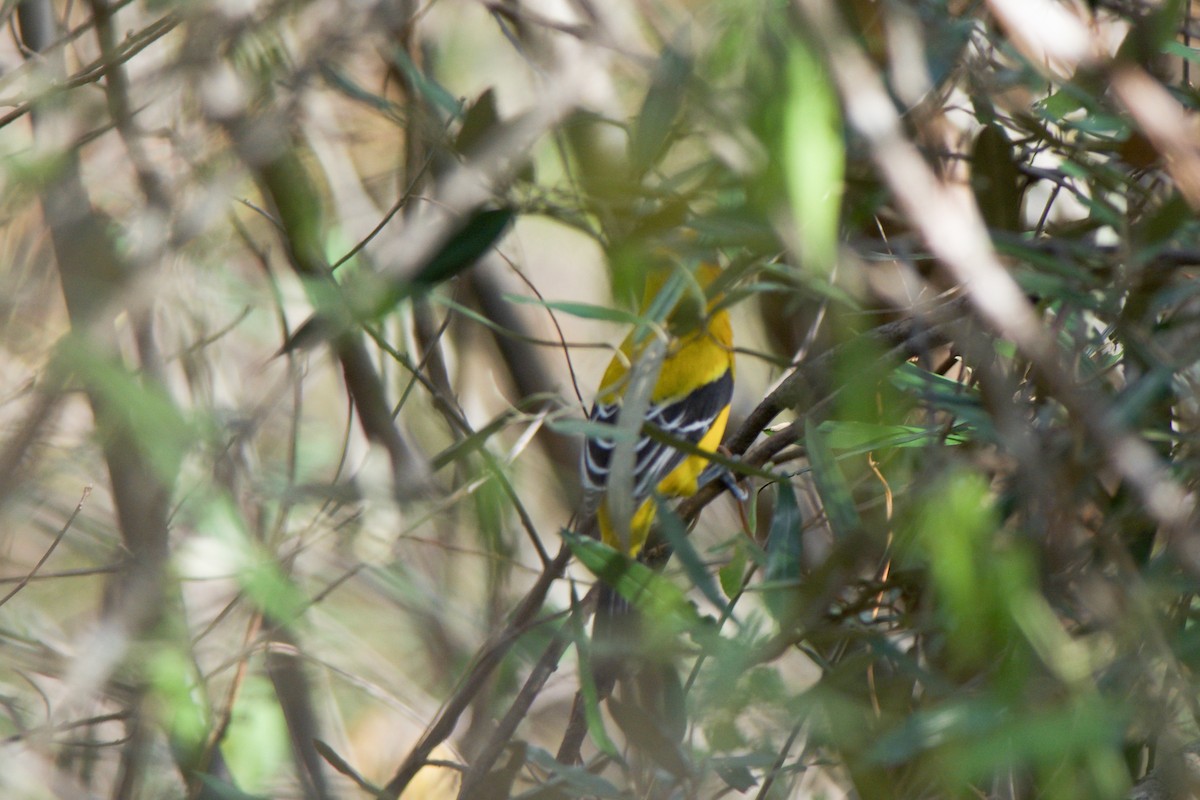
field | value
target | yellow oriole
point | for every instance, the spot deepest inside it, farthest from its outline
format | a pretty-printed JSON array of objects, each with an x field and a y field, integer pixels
[{"x": 689, "y": 401}]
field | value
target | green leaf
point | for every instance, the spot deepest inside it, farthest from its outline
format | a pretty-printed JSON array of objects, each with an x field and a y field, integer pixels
[
  {"x": 655, "y": 122},
  {"x": 256, "y": 746},
  {"x": 478, "y": 234},
  {"x": 573, "y": 426},
  {"x": 479, "y": 121},
  {"x": 671, "y": 526},
  {"x": 581, "y": 310},
  {"x": 646, "y": 734},
  {"x": 1058, "y": 105},
  {"x": 180, "y": 699},
  {"x": 814, "y": 158},
  {"x": 584, "y": 783},
  {"x": 138, "y": 413},
  {"x": 431, "y": 90},
  {"x": 926, "y": 729},
  {"x": 831, "y": 484},
  {"x": 1160, "y": 226},
  {"x": 785, "y": 553},
  {"x": 733, "y": 574},
  {"x": 736, "y": 776},
  {"x": 958, "y": 399},
  {"x": 954, "y": 528},
  {"x": 1180, "y": 50},
  {"x": 464, "y": 447},
  {"x": 856, "y": 437},
  {"x": 587, "y": 683},
  {"x": 648, "y": 591},
  {"x": 1150, "y": 33}
]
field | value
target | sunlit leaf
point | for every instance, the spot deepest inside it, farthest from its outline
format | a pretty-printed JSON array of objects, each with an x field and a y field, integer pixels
[{"x": 814, "y": 157}]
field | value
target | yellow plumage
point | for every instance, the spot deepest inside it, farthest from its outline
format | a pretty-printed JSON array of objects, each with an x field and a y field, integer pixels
[{"x": 689, "y": 401}]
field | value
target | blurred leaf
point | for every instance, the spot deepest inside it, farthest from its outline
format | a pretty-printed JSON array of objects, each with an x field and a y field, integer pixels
[
  {"x": 814, "y": 158},
  {"x": 864, "y": 437},
  {"x": 223, "y": 790},
  {"x": 140, "y": 413},
  {"x": 581, "y": 310},
  {"x": 1058, "y": 105},
  {"x": 733, "y": 574},
  {"x": 478, "y": 234},
  {"x": 652, "y": 129},
  {"x": 1160, "y": 226},
  {"x": 269, "y": 587},
  {"x": 926, "y": 729},
  {"x": 479, "y": 122},
  {"x": 578, "y": 779},
  {"x": 181, "y": 700},
  {"x": 958, "y": 399},
  {"x": 256, "y": 745},
  {"x": 337, "y": 77},
  {"x": 832, "y": 487},
  {"x": 587, "y": 683},
  {"x": 643, "y": 731},
  {"x": 785, "y": 551},
  {"x": 954, "y": 528},
  {"x": 736, "y": 776},
  {"x": 476, "y": 441},
  {"x": 574, "y": 426},
  {"x": 648, "y": 591},
  {"x": 433, "y": 92},
  {"x": 671, "y": 526},
  {"x": 1151, "y": 32},
  {"x": 996, "y": 179},
  {"x": 1142, "y": 396}
]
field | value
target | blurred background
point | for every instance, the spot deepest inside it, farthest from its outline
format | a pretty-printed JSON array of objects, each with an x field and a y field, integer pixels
[{"x": 303, "y": 303}]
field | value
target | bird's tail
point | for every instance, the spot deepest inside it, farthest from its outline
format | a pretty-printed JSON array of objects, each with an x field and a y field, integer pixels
[{"x": 616, "y": 634}]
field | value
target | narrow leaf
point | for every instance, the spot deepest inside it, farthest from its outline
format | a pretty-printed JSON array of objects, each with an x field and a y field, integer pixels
[
  {"x": 831, "y": 484},
  {"x": 478, "y": 234},
  {"x": 636, "y": 582},
  {"x": 814, "y": 158},
  {"x": 581, "y": 310},
  {"x": 697, "y": 572},
  {"x": 653, "y": 127},
  {"x": 784, "y": 553},
  {"x": 587, "y": 683},
  {"x": 644, "y": 732},
  {"x": 575, "y": 778}
]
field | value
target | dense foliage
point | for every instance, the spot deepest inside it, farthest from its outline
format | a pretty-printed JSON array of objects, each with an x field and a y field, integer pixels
[{"x": 304, "y": 301}]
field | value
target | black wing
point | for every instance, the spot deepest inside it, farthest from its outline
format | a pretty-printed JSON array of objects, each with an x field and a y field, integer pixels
[{"x": 688, "y": 419}]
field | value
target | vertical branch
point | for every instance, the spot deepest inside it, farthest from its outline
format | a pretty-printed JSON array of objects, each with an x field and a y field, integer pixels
[{"x": 93, "y": 279}]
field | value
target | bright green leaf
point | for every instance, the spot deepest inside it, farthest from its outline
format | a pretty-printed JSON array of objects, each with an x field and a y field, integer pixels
[{"x": 814, "y": 158}]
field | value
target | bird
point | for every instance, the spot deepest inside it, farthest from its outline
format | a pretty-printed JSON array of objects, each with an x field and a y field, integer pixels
[{"x": 689, "y": 400}]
